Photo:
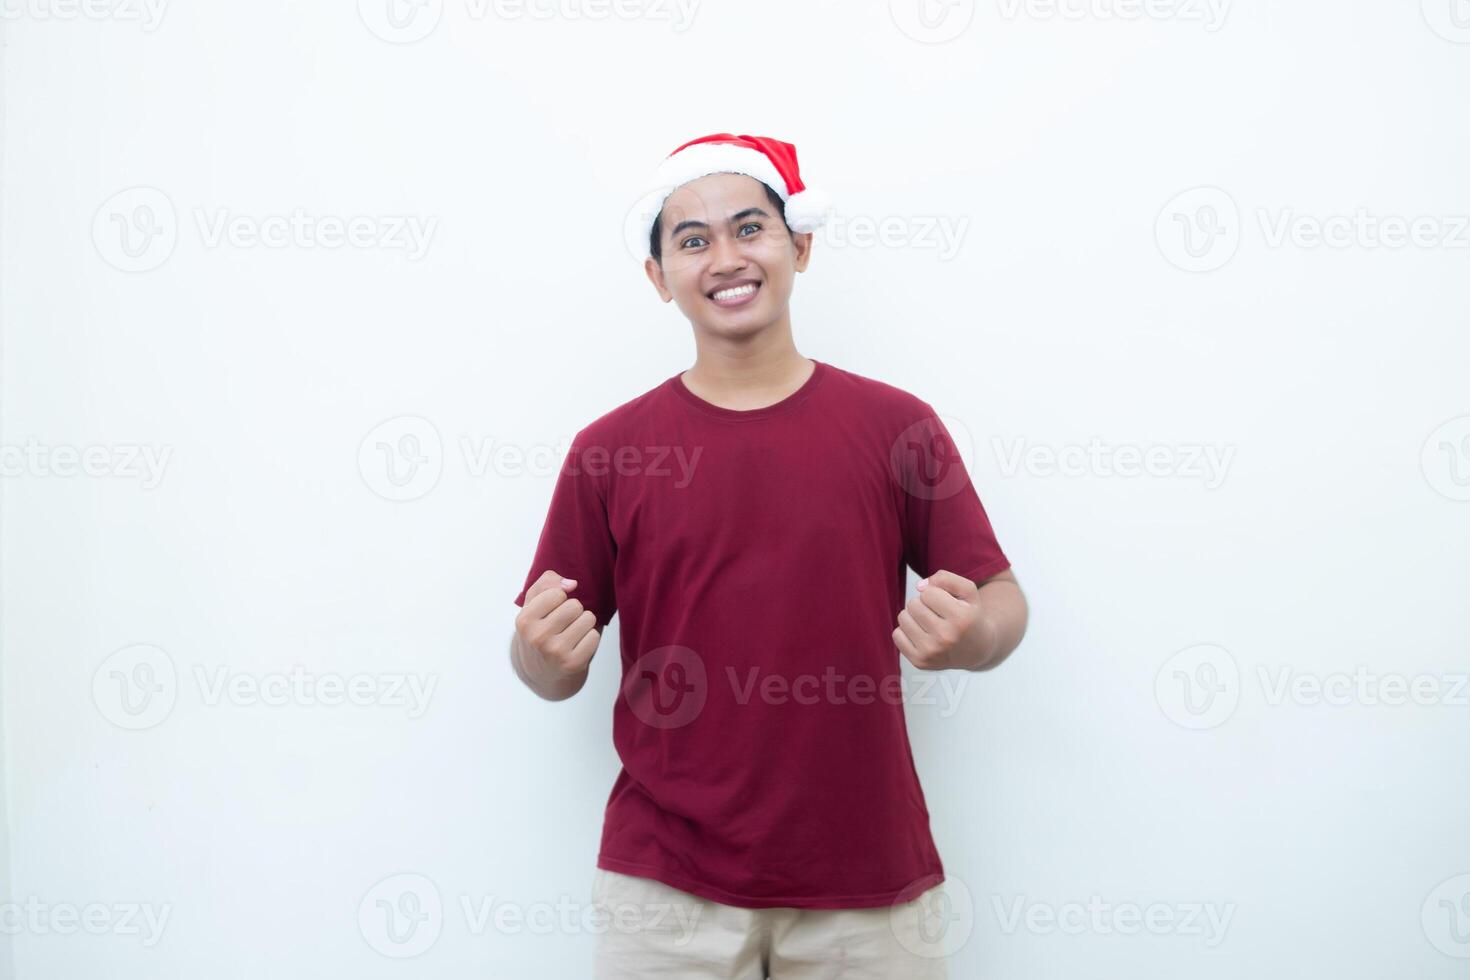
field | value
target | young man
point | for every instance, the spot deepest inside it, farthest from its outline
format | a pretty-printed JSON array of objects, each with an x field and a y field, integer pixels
[{"x": 751, "y": 519}]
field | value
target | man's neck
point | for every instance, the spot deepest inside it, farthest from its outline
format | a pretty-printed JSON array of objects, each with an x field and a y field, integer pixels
[{"x": 745, "y": 381}]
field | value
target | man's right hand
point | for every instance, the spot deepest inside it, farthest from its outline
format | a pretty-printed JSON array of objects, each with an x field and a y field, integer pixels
[{"x": 557, "y": 631}]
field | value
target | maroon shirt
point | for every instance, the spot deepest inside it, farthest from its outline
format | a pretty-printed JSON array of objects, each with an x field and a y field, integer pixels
[{"x": 757, "y": 559}]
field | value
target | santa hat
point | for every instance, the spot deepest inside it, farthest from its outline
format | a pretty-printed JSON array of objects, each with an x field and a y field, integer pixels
[{"x": 765, "y": 159}]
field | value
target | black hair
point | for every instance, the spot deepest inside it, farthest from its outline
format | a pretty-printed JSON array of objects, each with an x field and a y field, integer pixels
[{"x": 655, "y": 244}]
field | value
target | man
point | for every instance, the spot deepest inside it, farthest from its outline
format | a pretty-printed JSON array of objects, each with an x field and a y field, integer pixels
[{"x": 751, "y": 519}]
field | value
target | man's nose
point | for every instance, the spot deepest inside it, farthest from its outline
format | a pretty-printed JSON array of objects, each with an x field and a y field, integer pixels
[{"x": 725, "y": 255}]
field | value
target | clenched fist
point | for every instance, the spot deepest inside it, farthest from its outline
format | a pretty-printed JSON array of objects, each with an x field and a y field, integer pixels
[
  {"x": 555, "y": 637},
  {"x": 944, "y": 626}
]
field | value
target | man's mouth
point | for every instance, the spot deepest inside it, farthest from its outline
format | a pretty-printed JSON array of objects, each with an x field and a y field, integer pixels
[{"x": 728, "y": 297}]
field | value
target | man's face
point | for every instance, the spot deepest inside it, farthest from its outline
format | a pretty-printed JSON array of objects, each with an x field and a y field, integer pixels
[{"x": 728, "y": 259}]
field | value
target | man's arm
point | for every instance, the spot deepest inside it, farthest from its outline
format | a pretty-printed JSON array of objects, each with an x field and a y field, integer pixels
[
  {"x": 955, "y": 623},
  {"x": 554, "y": 639},
  {"x": 1003, "y": 603}
]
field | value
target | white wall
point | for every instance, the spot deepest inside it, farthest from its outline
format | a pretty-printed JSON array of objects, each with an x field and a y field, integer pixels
[
  {"x": 7, "y": 955},
  {"x": 250, "y": 536}
]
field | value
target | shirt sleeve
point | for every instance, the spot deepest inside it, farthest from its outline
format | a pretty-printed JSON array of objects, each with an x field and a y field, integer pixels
[
  {"x": 944, "y": 524},
  {"x": 576, "y": 540}
]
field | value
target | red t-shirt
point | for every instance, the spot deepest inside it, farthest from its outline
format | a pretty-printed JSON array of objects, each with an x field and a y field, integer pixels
[{"x": 758, "y": 561}]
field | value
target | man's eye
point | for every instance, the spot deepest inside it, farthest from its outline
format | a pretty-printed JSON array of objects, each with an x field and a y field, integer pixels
[
  {"x": 692, "y": 238},
  {"x": 753, "y": 224}
]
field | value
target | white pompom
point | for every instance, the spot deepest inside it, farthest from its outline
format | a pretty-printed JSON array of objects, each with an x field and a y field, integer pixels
[{"x": 807, "y": 210}]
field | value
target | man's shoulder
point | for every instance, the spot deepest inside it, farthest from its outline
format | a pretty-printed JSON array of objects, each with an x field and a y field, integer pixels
[
  {"x": 613, "y": 425},
  {"x": 880, "y": 397}
]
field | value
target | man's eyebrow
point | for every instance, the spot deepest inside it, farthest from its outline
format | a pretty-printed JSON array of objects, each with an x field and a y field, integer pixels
[{"x": 738, "y": 216}]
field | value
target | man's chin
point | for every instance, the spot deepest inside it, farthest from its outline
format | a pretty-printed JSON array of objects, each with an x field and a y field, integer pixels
[{"x": 735, "y": 325}]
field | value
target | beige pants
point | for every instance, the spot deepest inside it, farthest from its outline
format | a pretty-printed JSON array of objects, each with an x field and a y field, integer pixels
[{"x": 650, "y": 929}]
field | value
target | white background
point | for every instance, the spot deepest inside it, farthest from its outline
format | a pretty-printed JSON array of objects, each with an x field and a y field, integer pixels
[{"x": 1100, "y": 764}]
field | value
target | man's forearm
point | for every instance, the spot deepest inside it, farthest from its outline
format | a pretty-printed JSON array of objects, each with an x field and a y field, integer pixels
[
  {"x": 1002, "y": 603},
  {"x": 534, "y": 673}
]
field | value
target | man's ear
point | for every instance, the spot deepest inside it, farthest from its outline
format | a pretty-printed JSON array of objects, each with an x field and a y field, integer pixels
[
  {"x": 803, "y": 244},
  {"x": 655, "y": 275}
]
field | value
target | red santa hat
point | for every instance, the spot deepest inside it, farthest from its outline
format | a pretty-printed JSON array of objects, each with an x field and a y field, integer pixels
[{"x": 765, "y": 159}]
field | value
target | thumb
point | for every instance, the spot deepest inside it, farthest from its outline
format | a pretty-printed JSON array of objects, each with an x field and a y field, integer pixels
[{"x": 551, "y": 579}]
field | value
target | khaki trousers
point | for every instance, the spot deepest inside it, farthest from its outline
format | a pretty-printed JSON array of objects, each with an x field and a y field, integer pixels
[{"x": 650, "y": 929}]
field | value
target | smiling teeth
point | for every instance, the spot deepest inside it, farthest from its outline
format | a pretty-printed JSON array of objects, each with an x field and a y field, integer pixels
[{"x": 732, "y": 293}]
